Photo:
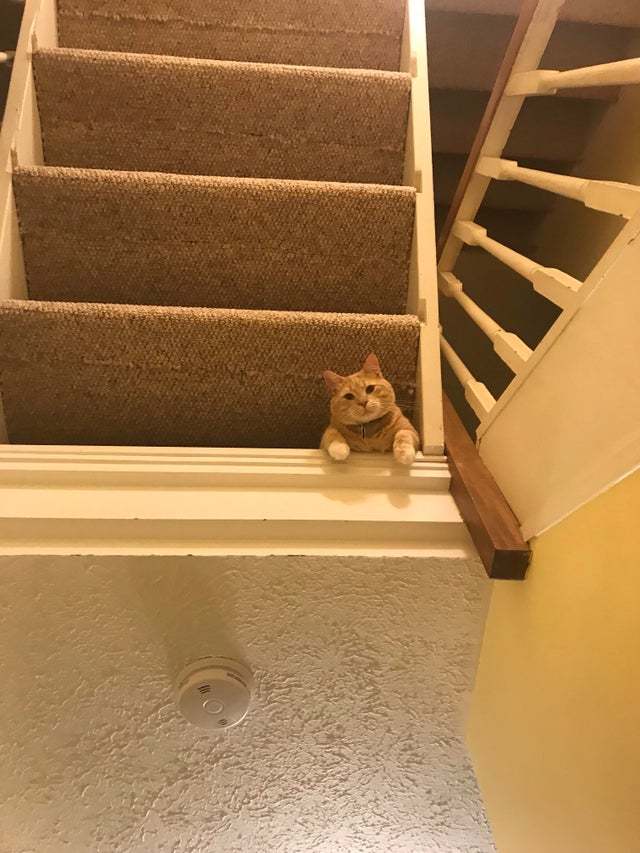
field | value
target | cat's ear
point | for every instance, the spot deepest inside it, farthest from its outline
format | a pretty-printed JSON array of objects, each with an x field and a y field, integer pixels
[
  {"x": 332, "y": 380},
  {"x": 372, "y": 365}
]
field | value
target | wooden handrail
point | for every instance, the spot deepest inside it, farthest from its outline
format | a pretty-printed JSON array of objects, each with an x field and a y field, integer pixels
[
  {"x": 502, "y": 78},
  {"x": 493, "y": 526}
]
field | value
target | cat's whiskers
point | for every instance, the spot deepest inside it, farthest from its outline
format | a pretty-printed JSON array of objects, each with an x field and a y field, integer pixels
[{"x": 365, "y": 416}]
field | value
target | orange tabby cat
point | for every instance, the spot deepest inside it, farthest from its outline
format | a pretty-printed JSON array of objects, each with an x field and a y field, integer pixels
[{"x": 364, "y": 416}]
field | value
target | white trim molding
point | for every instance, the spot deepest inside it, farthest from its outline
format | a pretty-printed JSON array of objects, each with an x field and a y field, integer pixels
[{"x": 124, "y": 500}]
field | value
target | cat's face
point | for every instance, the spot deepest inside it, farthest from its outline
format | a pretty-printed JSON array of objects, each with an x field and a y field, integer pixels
[{"x": 361, "y": 397}]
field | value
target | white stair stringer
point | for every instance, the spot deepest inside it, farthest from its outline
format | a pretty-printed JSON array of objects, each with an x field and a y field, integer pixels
[{"x": 104, "y": 500}]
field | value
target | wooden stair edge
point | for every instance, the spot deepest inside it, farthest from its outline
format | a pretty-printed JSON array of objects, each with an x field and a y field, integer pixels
[{"x": 493, "y": 527}]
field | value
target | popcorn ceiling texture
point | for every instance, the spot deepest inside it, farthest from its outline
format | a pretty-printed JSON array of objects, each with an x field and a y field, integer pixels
[{"x": 353, "y": 743}]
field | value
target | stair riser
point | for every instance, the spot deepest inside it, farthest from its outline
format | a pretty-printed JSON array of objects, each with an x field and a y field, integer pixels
[
  {"x": 109, "y": 375},
  {"x": 219, "y": 118},
  {"x": 168, "y": 240},
  {"x": 358, "y": 34}
]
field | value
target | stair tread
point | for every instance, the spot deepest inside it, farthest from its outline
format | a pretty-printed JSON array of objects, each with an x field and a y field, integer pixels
[
  {"x": 96, "y": 374},
  {"x": 195, "y": 116},
  {"x": 154, "y": 238},
  {"x": 359, "y": 34}
]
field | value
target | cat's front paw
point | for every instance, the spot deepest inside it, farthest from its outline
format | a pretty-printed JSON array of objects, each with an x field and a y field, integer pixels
[
  {"x": 405, "y": 454},
  {"x": 339, "y": 450}
]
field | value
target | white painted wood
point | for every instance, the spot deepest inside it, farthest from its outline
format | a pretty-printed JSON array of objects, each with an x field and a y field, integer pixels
[
  {"x": 410, "y": 47},
  {"x": 145, "y": 537},
  {"x": 188, "y": 455},
  {"x": 600, "y": 272},
  {"x": 555, "y": 285},
  {"x": 508, "y": 346},
  {"x": 423, "y": 288},
  {"x": 612, "y": 197},
  {"x": 417, "y": 166},
  {"x": 429, "y": 390},
  {"x": 181, "y": 501},
  {"x": 508, "y": 109},
  {"x": 452, "y": 287},
  {"x": 476, "y": 393},
  {"x": 27, "y": 141},
  {"x": 196, "y": 467},
  {"x": 423, "y": 301},
  {"x": 422, "y": 267},
  {"x": 545, "y": 82},
  {"x": 46, "y": 24},
  {"x": 586, "y": 383},
  {"x": 512, "y": 350}
]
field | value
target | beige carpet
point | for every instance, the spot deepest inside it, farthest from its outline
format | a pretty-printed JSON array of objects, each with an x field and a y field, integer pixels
[
  {"x": 340, "y": 33},
  {"x": 130, "y": 375},
  {"x": 206, "y": 117},
  {"x": 159, "y": 239},
  {"x": 208, "y": 234}
]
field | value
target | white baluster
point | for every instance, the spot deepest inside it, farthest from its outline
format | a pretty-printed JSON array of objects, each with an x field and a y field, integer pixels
[
  {"x": 476, "y": 393},
  {"x": 544, "y": 82},
  {"x": 608, "y": 196},
  {"x": 508, "y": 346},
  {"x": 555, "y": 285}
]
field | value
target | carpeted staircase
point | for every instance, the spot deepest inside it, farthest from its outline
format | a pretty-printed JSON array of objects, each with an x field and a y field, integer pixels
[{"x": 220, "y": 217}]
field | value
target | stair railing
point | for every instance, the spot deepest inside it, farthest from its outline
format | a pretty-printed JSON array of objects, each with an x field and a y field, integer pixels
[{"x": 520, "y": 77}]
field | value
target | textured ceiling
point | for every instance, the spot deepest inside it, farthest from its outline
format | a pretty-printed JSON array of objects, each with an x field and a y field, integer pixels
[{"x": 353, "y": 743}]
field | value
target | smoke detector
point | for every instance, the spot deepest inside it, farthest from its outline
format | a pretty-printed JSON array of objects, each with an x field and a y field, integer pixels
[{"x": 214, "y": 692}]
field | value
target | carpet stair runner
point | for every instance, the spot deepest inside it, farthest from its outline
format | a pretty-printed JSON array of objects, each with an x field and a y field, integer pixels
[
  {"x": 208, "y": 233},
  {"x": 159, "y": 239},
  {"x": 333, "y": 33},
  {"x": 209, "y": 117}
]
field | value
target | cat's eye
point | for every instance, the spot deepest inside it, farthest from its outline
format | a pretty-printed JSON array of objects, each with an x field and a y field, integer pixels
[
  {"x": 370, "y": 389},
  {"x": 349, "y": 396}
]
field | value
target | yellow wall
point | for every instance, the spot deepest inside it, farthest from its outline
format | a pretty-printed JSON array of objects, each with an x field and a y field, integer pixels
[{"x": 555, "y": 720}]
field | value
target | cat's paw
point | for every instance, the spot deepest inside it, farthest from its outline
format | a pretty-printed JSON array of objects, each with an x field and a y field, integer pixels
[
  {"x": 405, "y": 454},
  {"x": 339, "y": 450}
]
